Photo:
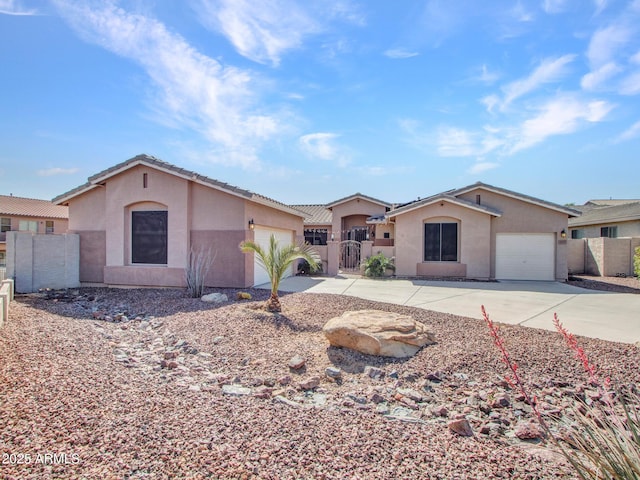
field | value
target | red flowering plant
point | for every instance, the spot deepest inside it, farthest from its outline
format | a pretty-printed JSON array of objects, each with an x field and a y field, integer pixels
[{"x": 601, "y": 438}]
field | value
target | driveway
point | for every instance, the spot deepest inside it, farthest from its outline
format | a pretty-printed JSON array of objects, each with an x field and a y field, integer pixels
[{"x": 592, "y": 313}]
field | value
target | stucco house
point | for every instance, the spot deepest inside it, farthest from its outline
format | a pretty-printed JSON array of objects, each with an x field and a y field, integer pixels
[
  {"x": 18, "y": 214},
  {"x": 479, "y": 231},
  {"x": 138, "y": 221},
  {"x": 607, "y": 218}
]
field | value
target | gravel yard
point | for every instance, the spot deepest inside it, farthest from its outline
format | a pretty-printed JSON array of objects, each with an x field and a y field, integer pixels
[{"x": 148, "y": 383}]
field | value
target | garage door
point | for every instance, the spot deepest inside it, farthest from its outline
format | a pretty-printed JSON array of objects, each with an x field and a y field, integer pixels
[
  {"x": 261, "y": 237},
  {"x": 525, "y": 256}
]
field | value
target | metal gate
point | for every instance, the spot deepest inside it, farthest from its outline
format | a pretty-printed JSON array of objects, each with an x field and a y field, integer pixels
[{"x": 350, "y": 256}]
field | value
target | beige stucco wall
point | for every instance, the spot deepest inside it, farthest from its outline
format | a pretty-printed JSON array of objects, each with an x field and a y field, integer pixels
[
  {"x": 474, "y": 240},
  {"x": 353, "y": 213},
  {"x": 625, "y": 229},
  {"x": 197, "y": 215},
  {"x": 524, "y": 217},
  {"x": 576, "y": 255}
]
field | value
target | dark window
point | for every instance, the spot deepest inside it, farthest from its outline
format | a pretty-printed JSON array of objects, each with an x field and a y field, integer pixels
[
  {"x": 577, "y": 233},
  {"x": 478, "y": 199},
  {"x": 49, "y": 226},
  {"x": 149, "y": 237},
  {"x": 610, "y": 232},
  {"x": 144, "y": 180},
  {"x": 440, "y": 242},
  {"x": 5, "y": 224},
  {"x": 315, "y": 236},
  {"x": 387, "y": 235}
]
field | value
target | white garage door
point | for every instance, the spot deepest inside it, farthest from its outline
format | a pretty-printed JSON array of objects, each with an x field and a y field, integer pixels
[
  {"x": 525, "y": 256},
  {"x": 261, "y": 237}
]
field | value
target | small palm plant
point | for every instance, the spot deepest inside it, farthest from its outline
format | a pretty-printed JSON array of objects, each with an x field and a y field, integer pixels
[{"x": 276, "y": 261}]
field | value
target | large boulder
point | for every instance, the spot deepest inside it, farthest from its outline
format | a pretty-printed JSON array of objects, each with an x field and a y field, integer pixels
[{"x": 375, "y": 332}]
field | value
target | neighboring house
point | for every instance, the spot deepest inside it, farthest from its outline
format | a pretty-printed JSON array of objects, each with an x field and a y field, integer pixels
[
  {"x": 607, "y": 218},
  {"x": 19, "y": 214},
  {"x": 479, "y": 232},
  {"x": 138, "y": 220}
]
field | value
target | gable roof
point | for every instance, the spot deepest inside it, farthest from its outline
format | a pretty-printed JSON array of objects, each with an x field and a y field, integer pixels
[
  {"x": 620, "y": 213},
  {"x": 315, "y": 214},
  {"x": 611, "y": 202},
  {"x": 357, "y": 196},
  {"x": 99, "y": 178},
  {"x": 443, "y": 197},
  {"x": 519, "y": 196},
  {"x": 31, "y": 207}
]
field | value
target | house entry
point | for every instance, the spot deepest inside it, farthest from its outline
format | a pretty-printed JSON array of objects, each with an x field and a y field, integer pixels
[{"x": 350, "y": 256}]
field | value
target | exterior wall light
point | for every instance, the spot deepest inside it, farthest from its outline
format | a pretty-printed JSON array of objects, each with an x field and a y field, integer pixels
[
  {"x": 251, "y": 224},
  {"x": 563, "y": 234}
]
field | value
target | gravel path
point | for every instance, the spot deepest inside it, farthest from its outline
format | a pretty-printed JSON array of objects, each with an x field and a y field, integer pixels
[{"x": 151, "y": 384}]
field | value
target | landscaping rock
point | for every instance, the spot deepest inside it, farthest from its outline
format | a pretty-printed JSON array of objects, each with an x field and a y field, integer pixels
[
  {"x": 375, "y": 332},
  {"x": 236, "y": 390},
  {"x": 297, "y": 362},
  {"x": 460, "y": 427},
  {"x": 215, "y": 298}
]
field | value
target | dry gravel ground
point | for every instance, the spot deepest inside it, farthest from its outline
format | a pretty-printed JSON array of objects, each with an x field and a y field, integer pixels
[{"x": 173, "y": 387}]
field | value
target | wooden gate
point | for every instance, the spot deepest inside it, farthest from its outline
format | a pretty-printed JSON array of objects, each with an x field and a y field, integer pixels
[{"x": 350, "y": 256}]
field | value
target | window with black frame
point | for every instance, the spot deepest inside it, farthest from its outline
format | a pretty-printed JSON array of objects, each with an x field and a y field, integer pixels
[
  {"x": 440, "y": 242},
  {"x": 315, "y": 236},
  {"x": 149, "y": 237}
]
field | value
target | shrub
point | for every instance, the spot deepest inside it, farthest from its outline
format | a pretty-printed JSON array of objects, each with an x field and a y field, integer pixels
[
  {"x": 636, "y": 263},
  {"x": 200, "y": 261},
  {"x": 600, "y": 439},
  {"x": 376, "y": 265}
]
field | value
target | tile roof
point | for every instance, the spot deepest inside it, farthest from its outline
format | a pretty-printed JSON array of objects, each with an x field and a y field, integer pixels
[
  {"x": 611, "y": 202},
  {"x": 315, "y": 214},
  {"x": 102, "y": 176},
  {"x": 358, "y": 195},
  {"x": 447, "y": 197},
  {"x": 618, "y": 213},
  {"x": 510, "y": 193},
  {"x": 31, "y": 207}
]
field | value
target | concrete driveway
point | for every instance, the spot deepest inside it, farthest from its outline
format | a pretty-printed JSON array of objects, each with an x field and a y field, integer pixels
[{"x": 592, "y": 313}]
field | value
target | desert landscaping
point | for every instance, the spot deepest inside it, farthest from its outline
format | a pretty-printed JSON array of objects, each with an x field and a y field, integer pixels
[{"x": 149, "y": 383}]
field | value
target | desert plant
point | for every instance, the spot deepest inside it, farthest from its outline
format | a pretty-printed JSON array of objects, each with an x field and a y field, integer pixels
[
  {"x": 200, "y": 261},
  {"x": 636, "y": 263},
  {"x": 276, "y": 260},
  {"x": 602, "y": 441},
  {"x": 376, "y": 265}
]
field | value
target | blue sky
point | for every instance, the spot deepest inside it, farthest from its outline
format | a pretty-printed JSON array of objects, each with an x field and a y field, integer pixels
[{"x": 311, "y": 101}]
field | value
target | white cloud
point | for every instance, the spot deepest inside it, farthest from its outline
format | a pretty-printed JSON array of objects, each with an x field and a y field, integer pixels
[
  {"x": 481, "y": 167},
  {"x": 631, "y": 84},
  {"x": 490, "y": 101},
  {"x": 50, "y": 172},
  {"x": 554, "y": 6},
  {"x": 13, "y": 7},
  {"x": 550, "y": 70},
  {"x": 260, "y": 31},
  {"x": 396, "y": 53},
  {"x": 600, "y": 6},
  {"x": 264, "y": 31},
  {"x": 193, "y": 90},
  {"x": 605, "y": 43},
  {"x": 560, "y": 116},
  {"x": 457, "y": 142},
  {"x": 596, "y": 79},
  {"x": 323, "y": 146},
  {"x": 630, "y": 133}
]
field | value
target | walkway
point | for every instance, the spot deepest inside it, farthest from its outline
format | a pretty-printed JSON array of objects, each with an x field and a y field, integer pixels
[{"x": 592, "y": 313}]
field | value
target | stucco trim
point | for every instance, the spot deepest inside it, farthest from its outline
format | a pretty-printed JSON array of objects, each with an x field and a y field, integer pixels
[
  {"x": 443, "y": 198},
  {"x": 357, "y": 196},
  {"x": 518, "y": 196},
  {"x": 160, "y": 165}
]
